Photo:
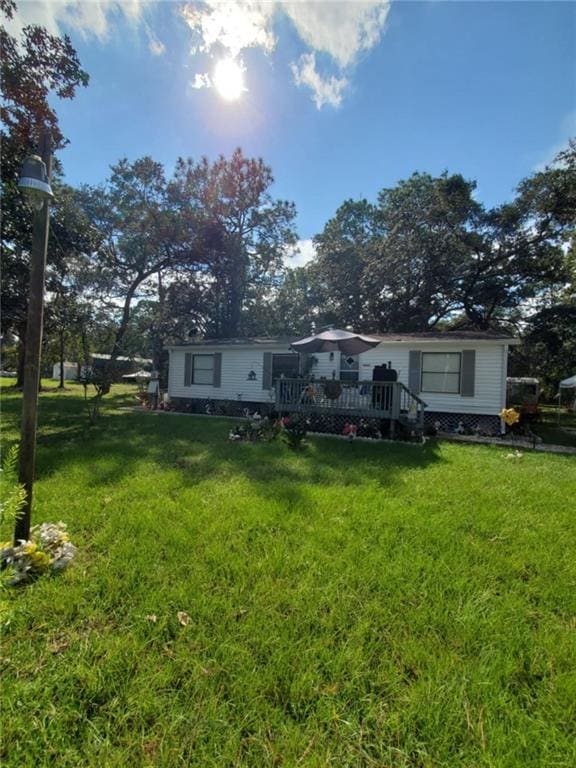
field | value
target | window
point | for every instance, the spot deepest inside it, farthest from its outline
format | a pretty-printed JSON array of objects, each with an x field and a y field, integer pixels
[
  {"x": 441, "y": 372},
  {"x": 199, "y": 369},
  {"x": 348, "y": 367},
  {"x": 284, "y": 367},
  {"x": 202, "y": 369}
]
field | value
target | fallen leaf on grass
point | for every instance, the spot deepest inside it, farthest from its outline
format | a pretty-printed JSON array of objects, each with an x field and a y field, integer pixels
[
  {"x": 151, "y": 748},
  {"x": 183, "y": 618},
  {"x": 57, "y": 646}
]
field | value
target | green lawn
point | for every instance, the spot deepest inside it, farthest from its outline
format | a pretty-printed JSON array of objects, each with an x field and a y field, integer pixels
[{"x": 351, "y": 605}]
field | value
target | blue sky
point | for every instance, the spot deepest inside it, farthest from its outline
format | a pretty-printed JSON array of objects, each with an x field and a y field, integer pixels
[{"x": 341, "y": 99}]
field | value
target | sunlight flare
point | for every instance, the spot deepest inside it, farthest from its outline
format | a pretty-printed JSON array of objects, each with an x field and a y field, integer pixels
[{"x": 229, "y": 79}]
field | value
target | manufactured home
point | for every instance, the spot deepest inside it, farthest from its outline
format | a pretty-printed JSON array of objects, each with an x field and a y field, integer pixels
[{"x": 443, "y": 379}]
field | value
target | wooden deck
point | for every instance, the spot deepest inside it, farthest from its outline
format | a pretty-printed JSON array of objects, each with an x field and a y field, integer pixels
[{"x": 360, "y": 399}]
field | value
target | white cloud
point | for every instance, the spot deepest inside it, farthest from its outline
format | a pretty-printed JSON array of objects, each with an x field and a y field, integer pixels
[
  {"x": 88, "y": 18},
  {"x": 201, "y": 81},
  {"x": 340, "y": 30},
  {"x": 303, "y": 253},
  {"x": 325, "y": 90},
  {"x": 234, "y": 26}
]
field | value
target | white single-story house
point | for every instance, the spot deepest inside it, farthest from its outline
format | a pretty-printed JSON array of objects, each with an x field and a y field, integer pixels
[{"x": 461, "y": 376}]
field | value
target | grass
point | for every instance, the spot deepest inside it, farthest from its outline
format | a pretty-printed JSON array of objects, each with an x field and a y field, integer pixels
[{"x": 350, "y": 604}]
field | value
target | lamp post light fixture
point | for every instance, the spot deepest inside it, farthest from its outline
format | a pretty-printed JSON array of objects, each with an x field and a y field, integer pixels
[{"x": 35, "y": 181}]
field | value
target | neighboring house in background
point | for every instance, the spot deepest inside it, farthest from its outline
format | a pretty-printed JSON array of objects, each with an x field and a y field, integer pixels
[
  {"x": 70, "y": 371},
  {"x": 73, "y": 371},
  {"x": 461, "y": 376},
  {"x": 122, "y": 365}
]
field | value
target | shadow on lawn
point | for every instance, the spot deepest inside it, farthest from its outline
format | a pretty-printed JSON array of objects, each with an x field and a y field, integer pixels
[
  {"x": 200, "y": 451},
  {"x": 197, "y": 449}
]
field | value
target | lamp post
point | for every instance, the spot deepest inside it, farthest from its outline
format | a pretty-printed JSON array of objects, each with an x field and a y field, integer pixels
[{"x": 35, "y": 182}]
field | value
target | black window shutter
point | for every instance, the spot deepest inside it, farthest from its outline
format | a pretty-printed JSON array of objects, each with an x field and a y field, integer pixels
[
  {"x": 188, "y": 369},
  {"x": 468, "y": 373},
  {"x": 217, "y": 377},
  {"x": 414, "y": 370},
  {"x": 267, "y": 371}
]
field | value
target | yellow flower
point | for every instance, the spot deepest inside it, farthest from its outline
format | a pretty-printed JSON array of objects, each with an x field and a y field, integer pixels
[
  {"x": 40, "y": 561},
  {"x": 30, "y": 547},
  {"x": 509, "y": 416}
]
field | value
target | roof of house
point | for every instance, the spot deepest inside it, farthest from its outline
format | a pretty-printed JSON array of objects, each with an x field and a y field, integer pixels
[
  {"x": 428, "y": 336},
  {"x": 135, "y": 359}
]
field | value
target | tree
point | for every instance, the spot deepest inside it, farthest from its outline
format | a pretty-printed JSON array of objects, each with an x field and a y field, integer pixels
[
  {"x": 549, "y": 344},
  {"x": 521, "y": 256},
  {"x": 294, "y": 308},
  {"x": 73, "y": 241},
  {"x": 32, "y": 69},
  {"x": 429, "y": 227},
  {"x": 340, "y": 269},
  {"x": 399, "y": 265},
  {"x": 251, "y": 232},
  {"x": 145, "y": 228}
]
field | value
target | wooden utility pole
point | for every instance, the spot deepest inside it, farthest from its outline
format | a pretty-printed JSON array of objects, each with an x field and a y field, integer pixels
[{"x": 33, "y": 348}]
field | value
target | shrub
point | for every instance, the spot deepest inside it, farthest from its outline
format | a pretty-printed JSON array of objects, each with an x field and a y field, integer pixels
[{"x": 294, "y": 432}]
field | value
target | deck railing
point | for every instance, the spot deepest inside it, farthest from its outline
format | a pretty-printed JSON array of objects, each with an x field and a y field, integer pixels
[{"x": 372, "y": 399}]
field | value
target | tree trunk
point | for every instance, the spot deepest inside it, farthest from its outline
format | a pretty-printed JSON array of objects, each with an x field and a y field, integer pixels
[
  {"x": 109, "y": 368},
  {"x": 61, "y": 384},
  {"x": 237, "y": 292},
  {"x": 157, "y": 335}
]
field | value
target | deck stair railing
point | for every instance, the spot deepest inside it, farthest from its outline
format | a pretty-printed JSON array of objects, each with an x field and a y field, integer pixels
[{"x": 390, "y": 400}]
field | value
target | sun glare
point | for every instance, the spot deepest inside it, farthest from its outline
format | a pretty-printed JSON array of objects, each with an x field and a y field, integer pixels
[{"x": 229, "y": 79}]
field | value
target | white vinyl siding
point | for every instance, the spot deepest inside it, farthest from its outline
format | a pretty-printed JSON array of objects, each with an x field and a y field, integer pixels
[
  {"x": 235, "y": 384},
  {"x": 237, "y": 362},
  {"x": 441, "y": 372},
  {"x": 491, "y": 362}
]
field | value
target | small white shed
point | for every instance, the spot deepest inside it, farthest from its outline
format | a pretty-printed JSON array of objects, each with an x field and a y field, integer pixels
[{"x": 70, "y": 371}]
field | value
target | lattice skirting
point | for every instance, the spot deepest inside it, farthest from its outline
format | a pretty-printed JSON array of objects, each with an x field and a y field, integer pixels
[
  {"x": 218, "y": 407},
  {"x": 456, "y": 422},
  {"x": 335, "y": 424}
]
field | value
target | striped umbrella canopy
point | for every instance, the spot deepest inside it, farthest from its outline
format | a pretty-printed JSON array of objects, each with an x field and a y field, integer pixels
[{"x": 334, "y": 340}]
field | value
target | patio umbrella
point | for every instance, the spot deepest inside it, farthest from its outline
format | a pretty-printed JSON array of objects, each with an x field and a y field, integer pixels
[{"x": 335, "y": 341}]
